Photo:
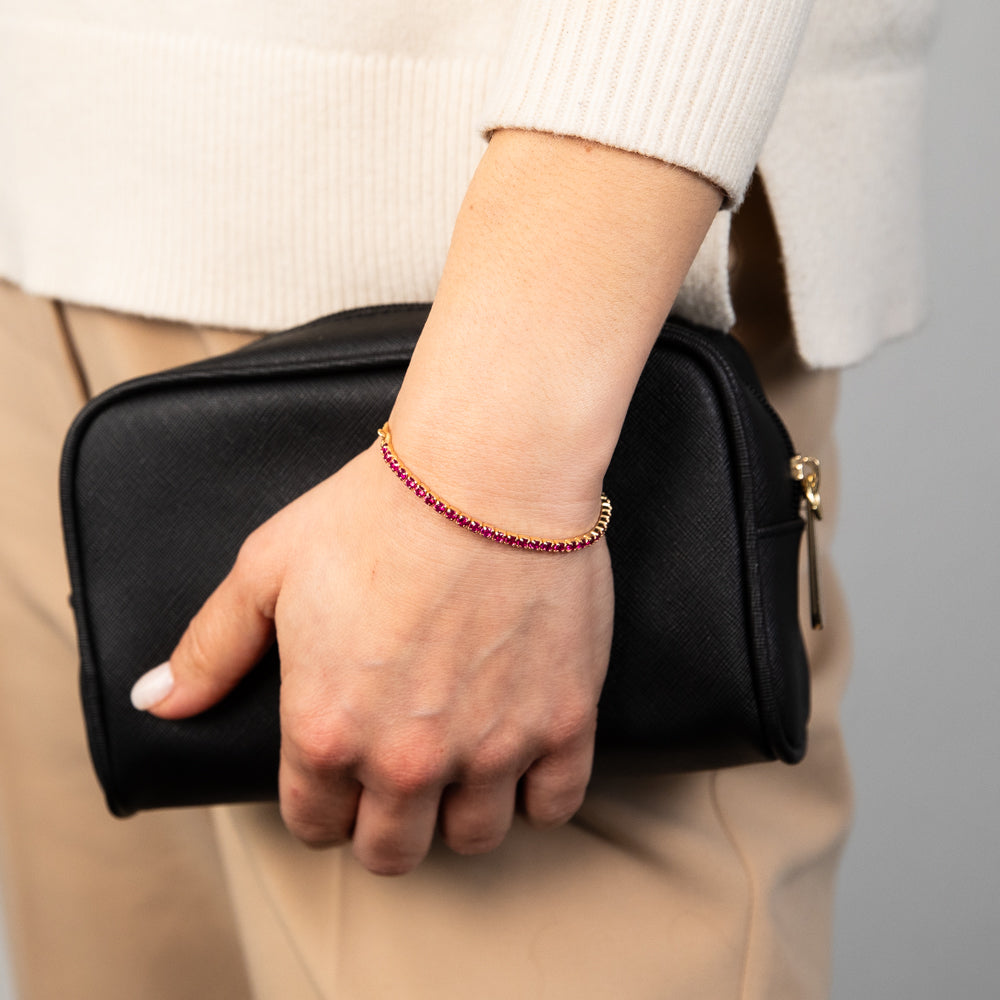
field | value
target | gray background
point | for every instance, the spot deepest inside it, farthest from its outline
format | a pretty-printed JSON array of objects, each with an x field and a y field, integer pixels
[{"x": 918, "y": 914}]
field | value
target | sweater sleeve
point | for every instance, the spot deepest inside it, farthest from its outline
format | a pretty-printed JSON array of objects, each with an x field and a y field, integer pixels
[{"x": 691, "y": 82}]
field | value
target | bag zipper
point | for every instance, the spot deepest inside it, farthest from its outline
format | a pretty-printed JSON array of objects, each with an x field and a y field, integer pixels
[{"x": 805, "y": 471}]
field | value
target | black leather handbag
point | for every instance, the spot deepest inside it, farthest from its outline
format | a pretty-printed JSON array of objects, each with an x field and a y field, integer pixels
[{"x": 164, "y": 476}]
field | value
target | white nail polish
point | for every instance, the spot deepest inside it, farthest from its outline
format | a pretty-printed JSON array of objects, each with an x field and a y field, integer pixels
[{"x": 152, "y": 687}]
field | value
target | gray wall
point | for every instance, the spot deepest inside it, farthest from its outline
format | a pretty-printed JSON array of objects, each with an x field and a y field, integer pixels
[{"x": 919, "y": 908}]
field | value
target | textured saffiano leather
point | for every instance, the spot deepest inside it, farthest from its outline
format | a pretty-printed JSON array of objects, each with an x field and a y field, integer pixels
[{"x": 164, "y": 476}]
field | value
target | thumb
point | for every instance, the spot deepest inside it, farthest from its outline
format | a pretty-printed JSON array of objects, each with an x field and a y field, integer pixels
[{"x": 223, "y": 641}]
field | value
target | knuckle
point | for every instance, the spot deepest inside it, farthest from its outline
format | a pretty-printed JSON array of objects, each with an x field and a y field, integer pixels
[
  {"x": 314, "y": 834},
  {"x": 250, "y": 554},
  {"x": 317, "y": 815},
  {"x": 410, "y": 773},
  {"x": 193, "y": 650},
  {"x": 387, "y": 866},
  {"x": 474, "y": 839},
  {"x": 320, "y": 745},
  {"x": 555, "y": 809},
  {"x": 385, "y": 855},
  {"x": 577, "y": 722},
  {"x": 496, "y": 760},
  {"x": 256, "y": 563},
  {"x": 555, "y": 791}
]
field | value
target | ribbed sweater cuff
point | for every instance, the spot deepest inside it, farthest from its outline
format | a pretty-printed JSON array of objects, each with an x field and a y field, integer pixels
[{"x": 692, "y": 83}]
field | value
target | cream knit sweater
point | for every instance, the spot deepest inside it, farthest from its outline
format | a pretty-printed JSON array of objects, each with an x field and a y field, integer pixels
[{"x": 255, "y": 164}]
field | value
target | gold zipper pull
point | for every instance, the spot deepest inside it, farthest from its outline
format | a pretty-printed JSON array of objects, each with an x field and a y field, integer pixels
[{"x": 805, "y": 470}]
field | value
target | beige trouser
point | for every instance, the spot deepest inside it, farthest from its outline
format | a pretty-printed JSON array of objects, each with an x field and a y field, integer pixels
[
  {"x": 95, "y": 907},
  {"x": 713, "y": 885}
]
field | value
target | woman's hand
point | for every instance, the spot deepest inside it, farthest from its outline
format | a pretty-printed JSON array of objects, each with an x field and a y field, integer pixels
[{"x": 429, "y": 676}]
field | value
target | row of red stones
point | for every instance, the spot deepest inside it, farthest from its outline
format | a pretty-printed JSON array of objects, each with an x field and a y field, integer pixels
[{"x": 486, "y": 531}]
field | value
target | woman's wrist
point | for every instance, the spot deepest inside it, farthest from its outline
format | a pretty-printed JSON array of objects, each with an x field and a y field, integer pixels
[{"x": 565, "y": 260}]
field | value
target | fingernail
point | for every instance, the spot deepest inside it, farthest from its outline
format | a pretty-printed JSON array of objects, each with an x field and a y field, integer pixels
[{"x": 152, "y": 687}]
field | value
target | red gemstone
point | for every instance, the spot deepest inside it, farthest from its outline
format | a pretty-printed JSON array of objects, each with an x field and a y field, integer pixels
[
  {"x": 559, "y": 547},
  {"x": 440, "y": 505},
  {"x": 462, "y": 520},
  {"x": 532, "y": 544},
  {"x": 420, "y": 491},
  {"x": 430, "y": 499},
  {"x": 450, "y": 513},
  {"x": 486, "y": 531}
]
